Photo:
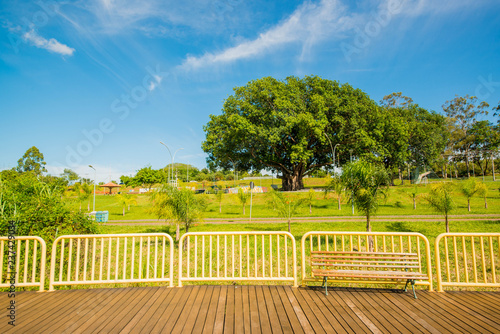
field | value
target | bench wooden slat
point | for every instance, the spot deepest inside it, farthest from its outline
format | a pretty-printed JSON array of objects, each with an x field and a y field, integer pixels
[
  {"x": 369, "y": 274},
  {"x": 361, "y": 257},
  {"x": 339, "y": 265},
  {"x": 316, "y": 260},
  {"x": 365, "y": 253}
]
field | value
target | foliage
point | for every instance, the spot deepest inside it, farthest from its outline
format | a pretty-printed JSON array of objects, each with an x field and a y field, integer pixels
[
  {"x": 441, "y": 199},
  {"x": 286, "y": 206},
  {"x": 148, "y": 177},
  {"x": 281, "y": 125},
  {"x": 32, "y": 161},
  {"x": 125, "y": 200},
  {"x": 180, "y": 206},
  {"x": 482, "y": 190},
  {"x": 337, "y": 187},
  {"x": 38, "y": 208},
  {"x": 243, "y": 197},
  {"x": 367, "y": 184},
  {"x": 469, "y": 189},
  {"x": 70, "y": 175}
]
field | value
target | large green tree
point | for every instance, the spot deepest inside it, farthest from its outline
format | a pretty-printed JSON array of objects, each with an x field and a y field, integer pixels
[
  {"x": 31, "y": 161},
  {"x": 292, "y": 126},
  {"x": 148, "y": 177}
]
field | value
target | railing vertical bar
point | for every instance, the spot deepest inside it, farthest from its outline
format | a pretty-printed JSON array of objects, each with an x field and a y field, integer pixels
[
  {"x": 255, "y": 253},
  {"x": 218, "y": 257},
  {"x": 392, "y": 243},
  {"x": 203, "y": 256},
  {"x": 270, "y": 255},
  {"x": 351, "y": 246},
  {"x": 163, "y": 238},
  {"x": 466, "y": 267},
  {"x": 409, "y": 244},
  {"x": 70, "y": 251},
  {"x": 102, "y": 259},
  {"x": 140, "y": 258},
  {"x": 210, "y": 264},
  {"x": 343, "y": 246},
  {"x": 195, "y": 256},
  {"x": 455, "y": 256},
  {"x": 18, "y": 260},
  {"x": 376, "y": 243},
  {"x": 417, "y": 241},
  {"x": 319, "y": 243},
  {"x": 248, "y": 255},
  {"x": 483, "y": 260},
  {"x": 188, "y": 257},
  {"x": 401, "y": 244},
  {"x": 326, "y": 242},
  {"x": 26, "y": 252},
  {"x": 133, "y": 259},
  {"x": 446, "y": 254},
  {"x": 279, "y": 251},
  {"x": 35, "y": 256},
  {"x": 241, "y": 257},
  {"x": 474, "y": 266},
  {"x": 148, "y": 256},
  {"x": 335, "y": 243},
  {"x": 263, "y": 258},
  {"x": 384, "y": 243},
  {"x": 85, "y": 259},
  {"x": 77, "y": 267},
  {"x": 156, "y": 258},
  {"x": 125, "y": 252},
  {"x": 109, "y": 257},
  {"x": 286, "y": 256},
  {"x": 492, "y": 259},
  {"x": 359, "y": 243},
  {"x": 232, "y": 255},
  {"x": 1, "y": 259},
  {"x": 311, "y": 242},
  {"x": 117, "y": 257},
  {"x": 225, "y": 256},
  {"x": 93, "y": 259}
]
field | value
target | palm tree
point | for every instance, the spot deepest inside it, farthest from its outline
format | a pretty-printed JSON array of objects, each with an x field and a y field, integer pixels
[
  {"x": 310, "y": 198},
  {"x": 482, "y": 190},
  {"x": 441, "y": 199},
  {"x": 286, "y": 207},
  {"x": 219, "y": 194},
  {"x": 122, "y": 200},
  {"x": 242, "y": 197},
  {"x": 87, "y": 193},
  {"x": 367, "y": 184},
  {"x": 337, "y": 187},
  {"x": 469, "y": 189}
]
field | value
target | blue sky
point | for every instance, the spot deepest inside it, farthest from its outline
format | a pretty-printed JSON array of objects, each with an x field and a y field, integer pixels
[{"x": 102, "y": 82}]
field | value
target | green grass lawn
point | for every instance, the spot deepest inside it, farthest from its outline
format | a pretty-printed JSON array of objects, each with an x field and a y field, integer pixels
[{"x": 398, "y": 202}]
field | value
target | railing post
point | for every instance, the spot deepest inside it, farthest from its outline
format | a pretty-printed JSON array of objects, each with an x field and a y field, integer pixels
[{"x": 438, "y": 263}]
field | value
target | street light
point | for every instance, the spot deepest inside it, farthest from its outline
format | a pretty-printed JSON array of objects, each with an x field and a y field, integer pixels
[
  {"x": 95, "y": 176},
  {"x": 170, "y": 159},
  {"x": 173, "y": 166}
]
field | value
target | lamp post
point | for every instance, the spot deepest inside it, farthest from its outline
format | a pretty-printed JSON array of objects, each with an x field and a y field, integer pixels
[
  {"x": 173, "y": 166},
  {"x": 95, "y": 176},
  {"x": 332, "y": 147},
  {"x": 171, "y": 159}
]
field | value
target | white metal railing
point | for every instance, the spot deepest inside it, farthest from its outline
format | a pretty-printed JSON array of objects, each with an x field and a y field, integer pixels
[
  {"x": 237, "y": 256},
  {"x": 387, "y": 242},
  {"x": 27, "y": 266},
  {"x": 112, "y": 258},
  {"x": 468, "y": 259}
]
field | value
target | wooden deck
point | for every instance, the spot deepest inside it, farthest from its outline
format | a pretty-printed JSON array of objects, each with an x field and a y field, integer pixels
[{"x": 251, "y": 309}]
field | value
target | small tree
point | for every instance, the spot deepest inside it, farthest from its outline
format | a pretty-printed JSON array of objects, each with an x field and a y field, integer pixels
[
  {"x": 286, "y": 207},
  {"x": 441, "y": 199},
  {"x": 311, "y": 194},
  {"x": 242, "y": 197},
  {"x": 179, "y": 206},
  {"x": 337, "y": 187},
  {"x": 413, "y": 194},
  {"x": 122, "y": 200},
  {"x": 482, "y": 190},
  {"x": 469, "y": 189},
  {"x": 86, "y": 193},
  {"x": 368, "y": 184},
  {"x": 219, "y": 194}
]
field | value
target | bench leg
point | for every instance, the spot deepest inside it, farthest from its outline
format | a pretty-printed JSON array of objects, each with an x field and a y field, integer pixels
[
  {"x": 325, "y": 284},
  {"x": 412, "y": 281}
]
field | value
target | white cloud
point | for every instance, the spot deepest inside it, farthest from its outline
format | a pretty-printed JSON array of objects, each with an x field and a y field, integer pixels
[
  {"x": 103, "y": 173},
  {"x": 51, "y": 45}
]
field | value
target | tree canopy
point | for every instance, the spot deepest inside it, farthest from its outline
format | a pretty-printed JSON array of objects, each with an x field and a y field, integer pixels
[
  {"x": 31, "y": 161},
  {"x": 283, "y": 125}
]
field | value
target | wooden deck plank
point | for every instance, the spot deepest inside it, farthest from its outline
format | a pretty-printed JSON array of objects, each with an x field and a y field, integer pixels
[
  {"x": 265, "y": 324},
  {"x": 189, "y": 314},
  {"x": 271, "y": 311},
  {"x": 335, "y": 304},
  {"x": 212, "y": 311},
  {"x": 229, "y": 316},
  {"x": 150, "y": 309},
  {"x": 220, "y": 313},
  {"x": 255, "y": 309},
  {"x": 447, "y": 313},
  {"x": 238, "y": 310},
  {"x": 315, "y": 324},
  {"x": 246, "y": 309},
  {"x": 291, "y": 313},
  {"x": 201, "y": 316}
]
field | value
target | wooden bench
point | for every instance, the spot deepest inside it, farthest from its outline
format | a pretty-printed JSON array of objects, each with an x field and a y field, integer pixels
[{"x": 367, "y": 267}]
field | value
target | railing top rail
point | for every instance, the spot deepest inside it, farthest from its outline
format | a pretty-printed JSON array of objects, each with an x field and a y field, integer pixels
[
  {"x": 467, "y": 234},
  {"x": 363, "y": 233},
  {"x": 25, "y": 237},
  {"x": 239, "y": 233},
  {"x": 89, "y": 236}
]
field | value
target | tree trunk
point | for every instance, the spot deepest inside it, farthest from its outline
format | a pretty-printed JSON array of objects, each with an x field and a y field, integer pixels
[
  {"x": 186, "y": 239},
  {"x": 243, "y": 210},
  {"x": 339, "y": 203},
  {"x": 123, "y": 211},
  {"x": 310, "y": 210},
  {"x": 485, "y": 203},
  {"x": 129, "y": 207},
  {"x": 289, "y": 226},
  {"x": 468, "y": 204},
  {"x": 293, "y": 182},
  {"x": 467, "y": 165},
  {"x": 177, "y": 233},
  {"x": 220, "y": 207},
  {"x": 369, "y": 229},
  {"x": 88, "y": 206},
  {"x": 414, "y": 204},
  {"x": 447, "y": 225},
  {"x": 493, "y": 166}
]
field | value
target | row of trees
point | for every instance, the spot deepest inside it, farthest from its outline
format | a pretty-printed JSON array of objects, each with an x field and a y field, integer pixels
[{"x": 298, "y": 126}]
